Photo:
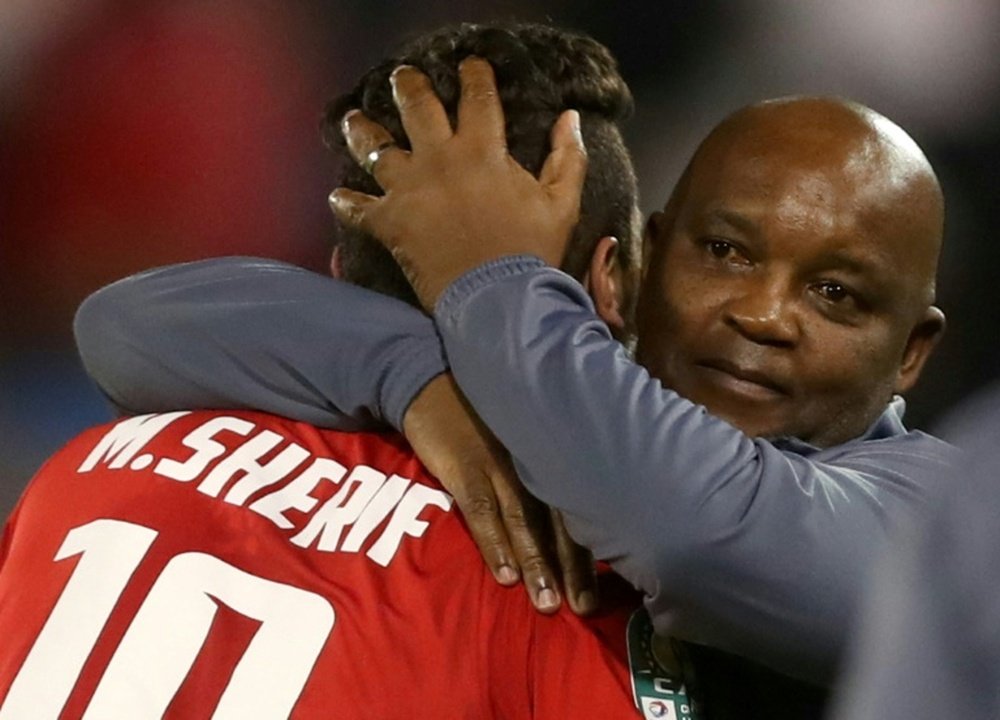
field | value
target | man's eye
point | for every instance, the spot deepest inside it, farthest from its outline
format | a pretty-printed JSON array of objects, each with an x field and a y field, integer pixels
[
  {"x": 832, "y": 291},
  {"x": 721, "y": 249}
]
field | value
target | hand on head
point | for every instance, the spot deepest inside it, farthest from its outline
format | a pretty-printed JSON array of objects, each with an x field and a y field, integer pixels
[{"x": 461, "y": 183}]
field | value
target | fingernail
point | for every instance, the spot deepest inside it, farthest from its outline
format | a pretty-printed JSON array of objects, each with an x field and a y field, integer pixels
[
  {"x": 548, "y": 599},
  {"x": 586, "y": 601},
  {"x": 507, "y": 575},
  {"x": 335, "y": 200},
  {"x": 574, "y": 117},
  {"x": 345, "y": 121},
  {"x": 397, "y": 71}
]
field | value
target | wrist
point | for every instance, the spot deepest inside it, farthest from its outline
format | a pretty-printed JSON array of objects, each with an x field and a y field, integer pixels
[
  {"x": 425, "y": 403},
  {"x": 482, "y": 276}
]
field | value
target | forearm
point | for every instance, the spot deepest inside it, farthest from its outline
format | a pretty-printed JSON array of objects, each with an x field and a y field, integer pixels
[
  {"x": 738, "y": 544},
  {"x": 252, "y": 333}
]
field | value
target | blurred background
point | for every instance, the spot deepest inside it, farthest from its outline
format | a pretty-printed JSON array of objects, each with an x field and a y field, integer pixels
[{"x": 139, "y": 133}]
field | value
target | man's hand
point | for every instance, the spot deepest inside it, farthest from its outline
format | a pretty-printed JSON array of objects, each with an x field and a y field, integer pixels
[
  {"x": 515, "y": 532},
  {"x": 458, "y": 199}
]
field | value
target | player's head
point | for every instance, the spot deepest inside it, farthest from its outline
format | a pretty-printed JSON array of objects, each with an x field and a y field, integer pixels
[
  {"x": 789, "y": 283},
  {"x": 541, "y": 71}
]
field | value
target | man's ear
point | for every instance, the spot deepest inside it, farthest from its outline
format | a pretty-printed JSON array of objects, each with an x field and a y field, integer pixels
[
  {"x": 605, "y": 282},
  {"x": 336, "y": 266},
  {"x": 923, "y": 338}
]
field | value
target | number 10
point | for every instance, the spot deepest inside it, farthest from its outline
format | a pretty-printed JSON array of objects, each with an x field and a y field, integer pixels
[{"x": 167, "y": 633}]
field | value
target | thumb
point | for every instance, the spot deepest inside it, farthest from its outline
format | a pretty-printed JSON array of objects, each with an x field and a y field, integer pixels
[{"x": 566, "y": 166}]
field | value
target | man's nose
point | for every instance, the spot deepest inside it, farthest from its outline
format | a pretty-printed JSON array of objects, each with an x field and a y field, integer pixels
[{"x": 764, "y": 312}]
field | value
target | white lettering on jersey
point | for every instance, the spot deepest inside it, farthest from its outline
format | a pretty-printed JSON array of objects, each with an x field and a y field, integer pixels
[
  {"x": 125, "y": 439},
  {"x": 244, "y": 460},
  {"x": 376, "y": 511},
  {"x": 206, "y": 449},
  {"x": 405, "y": 521},
  {"x": 342, "y": 509},
  {"x": 295, "y": 495},
  {"x": 365, "y": 498}
]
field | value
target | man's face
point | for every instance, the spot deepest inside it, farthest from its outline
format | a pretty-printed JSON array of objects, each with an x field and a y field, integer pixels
[{"x": 783, "y": 293}]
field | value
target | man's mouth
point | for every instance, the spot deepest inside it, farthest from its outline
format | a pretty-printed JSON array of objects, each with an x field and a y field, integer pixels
[{"x": 742, "y": 381}]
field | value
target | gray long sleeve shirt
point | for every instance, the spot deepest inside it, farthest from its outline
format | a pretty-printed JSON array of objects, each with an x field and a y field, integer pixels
[
  {"x": 753, "y": 547},
  {"x": 746, "y": 545},
  {"x": 252, "y": 333}
]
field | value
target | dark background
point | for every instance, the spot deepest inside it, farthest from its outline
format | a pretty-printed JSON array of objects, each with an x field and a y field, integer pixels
[{"x": 140, "y": 133}]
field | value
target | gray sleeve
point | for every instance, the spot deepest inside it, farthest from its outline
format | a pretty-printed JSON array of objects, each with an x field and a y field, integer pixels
[
  {"x": 928, "y": 644},
  {"x": 252, "y": 333},
  {"x": 737, "y": 543}
]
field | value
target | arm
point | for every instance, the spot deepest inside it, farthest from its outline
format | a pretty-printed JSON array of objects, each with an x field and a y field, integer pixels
[
  {"x": 738, "y": 544},
  {"x": 252, "y": 333}
]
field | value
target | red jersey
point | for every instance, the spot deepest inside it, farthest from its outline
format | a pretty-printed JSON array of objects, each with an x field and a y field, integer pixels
[{"x": 240, "y": 565}]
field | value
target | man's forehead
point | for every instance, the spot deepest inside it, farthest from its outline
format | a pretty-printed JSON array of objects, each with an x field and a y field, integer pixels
[
  {"x": 773, "y": 157},
  {"x": 835, "y": 238},
  {"x": 840, "y": 212},
  {"x": 777, "y": 142},
  {"x": 800, "y": 176},
  {"x": 835, "y": 167},
  {"x": 786, "y": 185}
]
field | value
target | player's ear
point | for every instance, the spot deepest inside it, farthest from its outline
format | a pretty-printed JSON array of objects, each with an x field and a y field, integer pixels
[
  {"x": 605, "y": 281},
  {"x": 923, "y": 338},
  {"x": 336, "y": 265}
]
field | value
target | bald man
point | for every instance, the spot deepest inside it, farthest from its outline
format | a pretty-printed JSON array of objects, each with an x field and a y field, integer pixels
[
  {"x": 789, "y": 284},
  {"x": 787, "y": 299}
]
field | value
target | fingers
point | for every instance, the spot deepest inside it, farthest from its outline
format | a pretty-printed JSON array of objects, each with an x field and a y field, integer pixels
[
  {"x": 423, "y": 116},
  {"x": 482, "y": 516},
  {"x": 480, "y": 115},
  {"x": 512, "y": 530},
  {"x": 353, "y": 208},
  {"x": 565, "y": 168},
  {"x": 372, "y": 146},
  {"x": 529, "y": 529},
  {"x": 455, "y": 447},
  {"x": 578, "y": 571}
]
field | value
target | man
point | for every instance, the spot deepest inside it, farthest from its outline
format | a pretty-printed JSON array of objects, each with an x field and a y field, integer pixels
[
  {"x": 788, "y": 287},
  {"x": 245, "y": 566},
  {"x": 264, "y": 568}
]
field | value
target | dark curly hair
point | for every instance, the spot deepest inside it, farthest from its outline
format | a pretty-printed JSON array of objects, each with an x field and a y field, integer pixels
[{"x": 541, "y": 71}]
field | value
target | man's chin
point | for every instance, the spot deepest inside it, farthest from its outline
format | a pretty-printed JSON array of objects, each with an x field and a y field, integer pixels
[
  {"x": 758, "y": 414},
  {"x": 755, "y": 426}
]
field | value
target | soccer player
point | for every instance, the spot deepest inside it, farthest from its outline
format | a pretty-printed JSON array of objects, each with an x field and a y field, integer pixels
[
  {"x": 788, "y": 289},
  {"x": 238, "y": 563}
]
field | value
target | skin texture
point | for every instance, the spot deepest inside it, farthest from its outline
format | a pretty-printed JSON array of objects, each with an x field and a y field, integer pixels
[
  {"x": 511, "y": 528},
  {"x": 788, "y": 284},
  {"x": 438, "y": 188},
  {"x": 789, "y": 281}
]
